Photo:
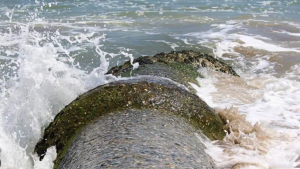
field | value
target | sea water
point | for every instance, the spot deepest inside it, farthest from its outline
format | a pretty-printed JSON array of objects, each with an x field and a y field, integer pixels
[{"x": 51, "y": 51}]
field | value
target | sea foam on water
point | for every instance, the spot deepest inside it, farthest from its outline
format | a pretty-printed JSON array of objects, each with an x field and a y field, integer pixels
[
  {"x": 38, "y": 87},
  {"x": 40, "y": 72},
  {"x": 43, "y": 79},
  {"x": 261, "y": 110},
  {"x": 263, "y": 125}
]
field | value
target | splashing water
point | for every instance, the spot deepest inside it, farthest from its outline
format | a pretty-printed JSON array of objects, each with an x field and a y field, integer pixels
[
  {"x": 41, "y": 78},
  {"x": 52, "y": 51},
  {"x": 264, "y": 124},
  {"x": 42, "y": 85}
]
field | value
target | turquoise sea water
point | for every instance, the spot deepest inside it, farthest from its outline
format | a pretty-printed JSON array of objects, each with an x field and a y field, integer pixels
[{"x": 52, "y": 51}]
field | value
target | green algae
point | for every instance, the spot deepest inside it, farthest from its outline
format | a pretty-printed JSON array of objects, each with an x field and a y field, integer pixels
[
  {"x": 197, "y": 60},
  {"x": 186, "y": 70},
  {"x": 178, "y": 72},
  {"x": 157, "y": 94},
  {"x": 186, "y": 57},
  {"x": 180, "y": 66},
  {"x": 120, "y": 96}
]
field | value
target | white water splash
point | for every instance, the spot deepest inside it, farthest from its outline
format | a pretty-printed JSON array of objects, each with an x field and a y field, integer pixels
[
  {"x": 40, "y": 73},
  {"x": 45, "y": 78},
  {"x": 267, "y": 134}
]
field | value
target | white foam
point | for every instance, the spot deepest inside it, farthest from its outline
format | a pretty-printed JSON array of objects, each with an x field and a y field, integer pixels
[
  {"x": 44, "y": 81},
  {"x": 294, "y": 72},
  {"x": 290, "y": 33},
  {"x": 11, "y": 154},
  {"x": 226, "y": 46},
  {"x": 262, "y": 64},
  {"x": 257, "y": 42},
  {"x": 42, "y": 88},
  {"x": 268, "y": 102},
  {"x": 43, "y": 84},
  {"x": 265, "y": 2},
  {"x": 274, "y": 112},
  {"x": 250, "y": 41},
  {"x": 134, "y": 65},
  {"x": 5, "y": 58},
  {"x": 205, "y": 88},
  {"x": 47, "y": 161},
  {"x": 226, "y": 42}
]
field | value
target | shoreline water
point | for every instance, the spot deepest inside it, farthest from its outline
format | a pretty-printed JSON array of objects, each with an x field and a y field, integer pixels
[{"x": 52, "y": 51}]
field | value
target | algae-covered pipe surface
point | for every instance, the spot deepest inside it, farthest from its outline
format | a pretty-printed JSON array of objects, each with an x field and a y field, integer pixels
[{"x": 159, "y": 97}]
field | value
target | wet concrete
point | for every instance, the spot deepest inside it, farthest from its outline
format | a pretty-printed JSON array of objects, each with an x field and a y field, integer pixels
[{"x": 137, "y": 139}]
